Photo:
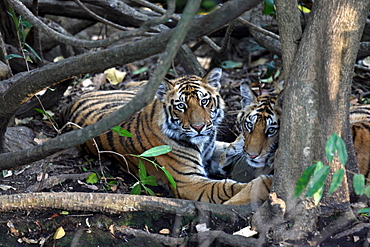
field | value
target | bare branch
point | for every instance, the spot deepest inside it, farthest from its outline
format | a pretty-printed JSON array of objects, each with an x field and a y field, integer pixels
[
  {"x": 258, "y": 28},
  {"x": 22, "y": 10},
  {"x": 97, "y": 17}
]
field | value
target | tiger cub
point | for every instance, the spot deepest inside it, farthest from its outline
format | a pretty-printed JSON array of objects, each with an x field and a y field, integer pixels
[
  {"x": 252, "y": 153},
  {"x": 359, "y": 119},
  {"x": 184, "y": 115}
]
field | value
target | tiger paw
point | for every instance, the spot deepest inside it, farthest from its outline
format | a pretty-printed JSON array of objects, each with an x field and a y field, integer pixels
[{"x": 256, "y": 190}]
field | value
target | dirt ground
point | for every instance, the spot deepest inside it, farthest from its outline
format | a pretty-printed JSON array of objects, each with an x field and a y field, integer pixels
[{"x": 70, "y": 171}]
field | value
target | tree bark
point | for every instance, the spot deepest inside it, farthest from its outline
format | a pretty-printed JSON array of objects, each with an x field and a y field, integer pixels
[
  {"x": 316, "y": 104},
  {"x": 290, "y": 32}
]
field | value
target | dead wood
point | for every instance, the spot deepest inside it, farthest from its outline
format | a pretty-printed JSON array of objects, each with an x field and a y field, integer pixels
[
  {"x": 205, "y": 238},
  {"x": 117, "y": 204}
]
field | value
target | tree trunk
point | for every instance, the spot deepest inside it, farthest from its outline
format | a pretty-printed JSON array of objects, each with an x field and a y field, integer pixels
[{"x": 316, "y": 105}]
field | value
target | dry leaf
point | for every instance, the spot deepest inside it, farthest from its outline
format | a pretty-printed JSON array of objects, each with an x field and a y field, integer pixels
[
  {"x": 164, "y": 231},
  {"x": 202, "y": 227},
  {"x": 246, "y": 232},
  {"x": 13, "y": 231},
  {"x": 40, "y": 140},
  {"x": 111, "y": 229},
  {"x": 90, "y": 186},
  {"x": 366, "y": 61},
  {"x": 100, "y": 79},
  {"x": 115, "y": 76},
  {"x": 41, "y": 176},
  {"x": 6, "y": 187},
  {"x": 29, "y": 240},
  {"x": 59, "y": 233}
]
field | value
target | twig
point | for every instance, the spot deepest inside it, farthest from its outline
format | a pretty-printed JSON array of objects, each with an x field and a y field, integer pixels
[
  {"x": 163, "y": 19},
  {"x": 101, "y": 19},
  {"x": 258, "y": 28},
  {"x": 156, "y": 8},
  {"x": 225, "y": 42}
]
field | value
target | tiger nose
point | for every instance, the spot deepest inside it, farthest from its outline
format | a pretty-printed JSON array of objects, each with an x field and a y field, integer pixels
[
  {"x": 198, "y": 128},
  {"x": 252, "y": 156}
]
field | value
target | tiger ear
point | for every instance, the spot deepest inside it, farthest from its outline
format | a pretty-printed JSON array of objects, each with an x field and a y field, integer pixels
[
  {"x": 213, "y": 78},
  {"x": 248, "y": 96},
  {"x": 163, "y": 88}
]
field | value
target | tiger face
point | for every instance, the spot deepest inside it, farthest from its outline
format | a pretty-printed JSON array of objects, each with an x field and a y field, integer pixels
[
  {"x": 260, "y": 122},
  {"x": 252, "y": 153},
  {"x": 192, "y": 109}
]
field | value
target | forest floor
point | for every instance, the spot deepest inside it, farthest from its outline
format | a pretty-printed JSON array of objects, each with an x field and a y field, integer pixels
[{"x": 73, "y": 171}]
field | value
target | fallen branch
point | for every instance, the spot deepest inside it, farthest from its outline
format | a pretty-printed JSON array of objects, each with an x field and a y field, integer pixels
[{"x": 117, "y": 204}]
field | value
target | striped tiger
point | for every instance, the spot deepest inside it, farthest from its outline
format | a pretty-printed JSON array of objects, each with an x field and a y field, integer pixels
[
  {"x": 359, "y": 119},
  {"x": 252, "y": 153},
  {"x": 184, "y": 115}
]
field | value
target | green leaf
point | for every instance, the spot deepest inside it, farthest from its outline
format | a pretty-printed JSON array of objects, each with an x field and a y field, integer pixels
[
  {"x": 149, "y": 191},
  {"x": 318, "y": 167},
  {"x": 92, "y": 178},
  {"x": 303, "y": 180},
  {"x": 336, "y": 181},
  {"x": 318, "y": 180},
  {"x": 364, "y": 211},
  {"x": 367, "y": 191},
  {"x": 341, "y": 150},
  {"x": 112, "y": 183},
  {"x": 142, "y": 170},
  {"x": 136, "y": 190},
  {"x": 230, "y": 64},
  {"x": 47, "y": 115},
  {"x": 33, "y": 51},
  {"x": 270, "y": 69},
  {"x": 40, "y": 111},
  {"x": 331, "y": 147},
  {"x": 318, "y": 195},
  {"x": 10, "y": 56},
  {"x": 269, "y": 8},
  {"x": 156, "y": 151},
  {"x": 150, "y": 180},
  {"x": 139, "y": 71},
  {"x": 25, "y": 23},
  {"x": 169, "y": 177},
  {"x": 121, "y": 131},
  {"x": 359, "y": 184}
]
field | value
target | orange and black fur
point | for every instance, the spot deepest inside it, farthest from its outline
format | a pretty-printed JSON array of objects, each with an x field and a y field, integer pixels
[
  {"x": 259, "y": 117},
  {"x": 184, "y": 115},
  {"x": 359, "y": 119}
]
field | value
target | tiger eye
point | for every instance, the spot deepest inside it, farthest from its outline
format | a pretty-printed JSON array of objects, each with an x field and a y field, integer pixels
[
  {"x": 271, "y": 130},
  {"x": 249, "y": 125},
  {"x": 204, "y": 101},
  {"x": 181, "y": 106}
]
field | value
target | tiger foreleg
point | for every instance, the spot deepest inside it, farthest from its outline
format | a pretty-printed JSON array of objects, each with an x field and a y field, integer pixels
[
  {"x": 229, "y": 155},
  {"x": 256, "y": 190}
]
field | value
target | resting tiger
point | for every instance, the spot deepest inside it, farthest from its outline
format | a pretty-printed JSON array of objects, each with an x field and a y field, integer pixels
[
  {"x": 252, "y": 153},
  {"x": 184, "y": 115}
]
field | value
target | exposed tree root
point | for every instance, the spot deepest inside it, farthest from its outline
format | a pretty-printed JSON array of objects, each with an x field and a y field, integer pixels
[{"x": 116, "y": 204}]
